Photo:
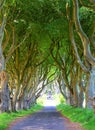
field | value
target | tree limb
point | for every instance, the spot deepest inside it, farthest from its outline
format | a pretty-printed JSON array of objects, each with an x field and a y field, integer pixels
[{"x": 85, "y": 40}]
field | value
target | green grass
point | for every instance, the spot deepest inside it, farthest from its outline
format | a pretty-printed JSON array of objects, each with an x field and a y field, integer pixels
[
  {"x": 7, "y": 118},
  {"x": 83, "y": 116}
]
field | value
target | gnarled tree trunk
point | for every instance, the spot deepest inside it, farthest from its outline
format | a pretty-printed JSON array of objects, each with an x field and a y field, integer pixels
[
  {"x": 91, "y": 87},
  {"x": 4, "y": 93}
]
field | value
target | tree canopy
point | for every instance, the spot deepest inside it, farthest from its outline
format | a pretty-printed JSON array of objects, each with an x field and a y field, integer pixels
[{"x": 46, "y": 42}]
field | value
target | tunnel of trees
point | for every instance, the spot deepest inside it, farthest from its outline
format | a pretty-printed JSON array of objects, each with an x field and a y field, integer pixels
[{"x": 42, "y": 42}]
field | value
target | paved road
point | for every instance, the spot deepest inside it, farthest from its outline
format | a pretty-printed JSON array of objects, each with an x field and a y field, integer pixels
[{"x": 47, "y": 119}]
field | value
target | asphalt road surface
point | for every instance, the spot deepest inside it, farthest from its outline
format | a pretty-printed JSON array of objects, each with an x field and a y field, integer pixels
[{"x": 46, "y": 119}]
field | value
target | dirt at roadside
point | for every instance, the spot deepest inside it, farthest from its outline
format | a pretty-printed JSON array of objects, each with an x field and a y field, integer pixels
[{"x": 72, "y": 125}]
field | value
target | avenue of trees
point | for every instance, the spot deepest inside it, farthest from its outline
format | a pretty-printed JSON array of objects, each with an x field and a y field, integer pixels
[{"x": 44, "y": 42}]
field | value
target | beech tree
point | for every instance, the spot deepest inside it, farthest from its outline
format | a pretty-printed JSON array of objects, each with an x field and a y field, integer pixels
[
  {"x": 38, "y": 36},
  {"x": 4, "y": 91},
  {"x": 88, "y": 61}
]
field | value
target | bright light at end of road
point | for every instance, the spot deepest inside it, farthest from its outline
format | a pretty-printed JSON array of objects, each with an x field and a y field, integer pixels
[{"x": 49, "y": 103}]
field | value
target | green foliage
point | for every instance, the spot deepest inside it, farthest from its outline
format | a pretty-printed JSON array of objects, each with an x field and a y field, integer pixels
[
  {"x": 59, "y": 99},
  {"x": 87, "y": 17},
  {"x": 84, "y": 116},
  {"x": 7, "y": 118},
  {"x": 41, "y": 100}
]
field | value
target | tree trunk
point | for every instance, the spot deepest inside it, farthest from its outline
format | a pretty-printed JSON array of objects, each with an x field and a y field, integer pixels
[
  {"x": 19, "y": 104},
  {"x": 25, "y": 104},
  {"x": 81, "y": 99},
  {"x": 91, "y": 87},
  {"x": 14, "y": 101},
  {"x": 76, "y": 95},
  {"x": 68, "y": 96},
  {"x": 4, "y": 93}
]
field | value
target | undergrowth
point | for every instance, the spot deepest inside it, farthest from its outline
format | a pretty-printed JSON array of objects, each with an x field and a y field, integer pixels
[
  {"x": 7, "y": 118},
  {"x": 84, "y": 116}
]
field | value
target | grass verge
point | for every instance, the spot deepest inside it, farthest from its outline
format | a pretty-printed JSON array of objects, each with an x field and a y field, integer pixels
[
  {"x": 83, "y": 116},
  {"x": 7, "y": 118}
]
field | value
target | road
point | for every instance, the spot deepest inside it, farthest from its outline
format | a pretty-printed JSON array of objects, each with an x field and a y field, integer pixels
[{"x": 46, "y": 119}]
